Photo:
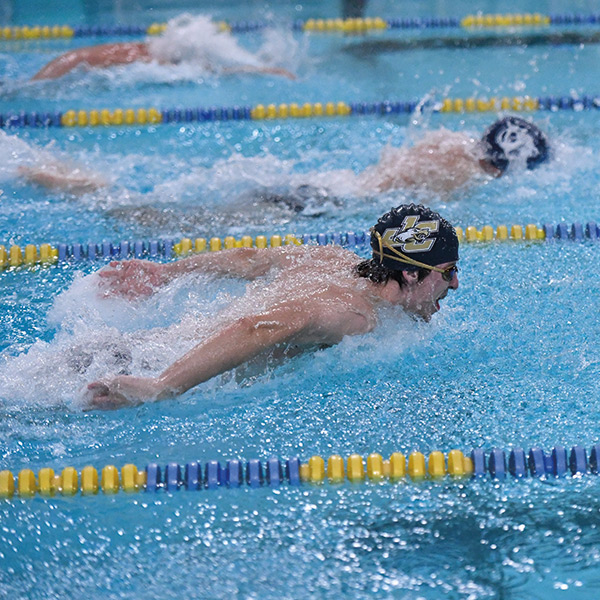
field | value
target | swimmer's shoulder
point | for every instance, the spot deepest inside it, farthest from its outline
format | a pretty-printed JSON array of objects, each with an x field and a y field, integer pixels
[
  {"x": 120, "y": 51},
  {"x": 443, "y": 136},
  {"x": 346, "y": 312},
  {"x": 317, "y": 255},
  {"x": 332, "y": 252}
]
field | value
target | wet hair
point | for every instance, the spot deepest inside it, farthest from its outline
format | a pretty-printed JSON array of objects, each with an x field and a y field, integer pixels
[
  {"x": 374, "y": 271},
  {"x": 512, "y": 140}
]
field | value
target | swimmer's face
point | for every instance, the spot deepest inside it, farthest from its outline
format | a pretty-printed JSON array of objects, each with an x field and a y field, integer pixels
[{"x": 423, "y": 297}]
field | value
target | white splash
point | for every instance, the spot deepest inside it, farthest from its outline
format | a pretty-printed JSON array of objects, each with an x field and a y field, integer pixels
[
  {"x": 16, "y": 153},
  {"x": 197, "y": 40},
  {"x": 239, "y": 173},
  {"x": 102, "y": 337}
]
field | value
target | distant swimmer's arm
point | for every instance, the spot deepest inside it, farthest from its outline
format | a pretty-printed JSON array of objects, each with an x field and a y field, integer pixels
[
  {"x": 232, "y": 346},
  {"x": 104, "y": 55},
  {"x": 58, "y": 176},
  {"x": 137, "y": 278},
  {"x": 261, "y": 71}
]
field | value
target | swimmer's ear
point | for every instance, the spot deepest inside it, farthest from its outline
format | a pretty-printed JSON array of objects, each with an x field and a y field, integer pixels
[{"x": 411, "y": 277}]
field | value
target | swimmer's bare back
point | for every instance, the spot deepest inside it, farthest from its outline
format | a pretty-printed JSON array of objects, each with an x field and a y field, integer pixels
[{"x": 104, "y": 55}]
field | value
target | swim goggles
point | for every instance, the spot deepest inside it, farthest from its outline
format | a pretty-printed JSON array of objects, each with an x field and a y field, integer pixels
[{"x": 447, "y": 274}]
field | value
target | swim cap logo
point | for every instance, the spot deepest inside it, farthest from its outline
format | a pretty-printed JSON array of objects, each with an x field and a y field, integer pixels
[
  {"x": 516, "y": 141},
  {"x": 412, "y": 236}
]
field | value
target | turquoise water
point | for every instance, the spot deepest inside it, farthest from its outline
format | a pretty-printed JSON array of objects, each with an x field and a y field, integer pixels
[{"x": 510, "y": 361}]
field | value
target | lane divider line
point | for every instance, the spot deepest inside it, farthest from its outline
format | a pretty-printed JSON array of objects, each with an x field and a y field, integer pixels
[
  {"x": 63, "y": 253},
  {"x": 337, "y": 25},
  {"x": 294, "y": 110},
  {"x": 195, "y": 476}
]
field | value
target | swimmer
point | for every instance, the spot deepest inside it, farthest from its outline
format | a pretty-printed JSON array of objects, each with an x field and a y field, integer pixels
[
  {"x": 315, "y": 296},
  {"x": 195, "y": 40},
  {"x": 444, "y": 161},
  {"x": 441, "y": 163}
]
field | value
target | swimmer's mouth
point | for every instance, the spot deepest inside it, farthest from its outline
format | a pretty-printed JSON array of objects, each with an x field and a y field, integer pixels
[{"x": 437, "y": 302}]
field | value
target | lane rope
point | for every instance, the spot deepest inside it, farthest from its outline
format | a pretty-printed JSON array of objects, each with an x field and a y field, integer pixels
[
  {"x": 337, "y": 25},
  {"x": 195, "y": 476},
  {"x": 294, "y": 110},
  {"x": 64, "y": 253}
]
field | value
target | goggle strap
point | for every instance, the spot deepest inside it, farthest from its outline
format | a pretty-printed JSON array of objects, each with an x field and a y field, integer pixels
[{"x": 400, "y": 256}]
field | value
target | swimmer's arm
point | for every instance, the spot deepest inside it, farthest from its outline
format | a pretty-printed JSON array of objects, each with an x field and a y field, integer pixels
[
  {"x": 245, "y": 263},
  {"x": 58, "y": 176},
  {"x": 260, "y": 70},
  {"x": 227, "y": 349},
  {"x": 233, "y": 345},
  {"x": 104, "y": 55},
  {"x": 136, "y": 278}
]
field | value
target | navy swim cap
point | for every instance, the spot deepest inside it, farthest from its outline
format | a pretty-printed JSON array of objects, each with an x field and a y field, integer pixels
[
  {"x": 412, "y": 236},
  {"x": 515, "y": 140}
]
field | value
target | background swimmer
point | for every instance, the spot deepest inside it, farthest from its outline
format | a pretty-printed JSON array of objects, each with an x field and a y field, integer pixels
[
  {"x": 440, "y": 163},
  {"x": 189, "y": 39},
  {"x": 444, "y": 161},
  {"x": 315, "y": 297}
]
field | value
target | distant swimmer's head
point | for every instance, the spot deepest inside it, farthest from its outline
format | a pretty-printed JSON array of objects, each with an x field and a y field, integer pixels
[
  {"x": 410, "y": 243},
  {"x": 514, "y": 141}
]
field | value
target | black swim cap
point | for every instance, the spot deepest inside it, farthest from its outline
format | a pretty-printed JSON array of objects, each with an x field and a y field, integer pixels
[
  {"x": 412, "y": 234},
  {"x": 515, "y": 140}
]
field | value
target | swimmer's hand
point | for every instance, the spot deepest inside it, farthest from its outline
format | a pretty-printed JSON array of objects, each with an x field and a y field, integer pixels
[
  {"x": 131, "y": 279},
  {"x": 261, "y": 70},
  {"x": 120, "y": 392}
]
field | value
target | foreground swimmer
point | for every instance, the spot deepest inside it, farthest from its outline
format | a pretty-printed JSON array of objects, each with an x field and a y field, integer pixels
[
  {"x": 196, "y": 40},
  {"x": 442, "y": 162},
  {"x": 315, "y": 297}
]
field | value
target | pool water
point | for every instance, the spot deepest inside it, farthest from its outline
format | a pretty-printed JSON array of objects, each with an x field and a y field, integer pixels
[{"x": 511, "y": 360}]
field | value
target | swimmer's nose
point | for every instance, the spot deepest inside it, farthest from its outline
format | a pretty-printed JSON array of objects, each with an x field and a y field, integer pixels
[{"x": 454, "y": 283}]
